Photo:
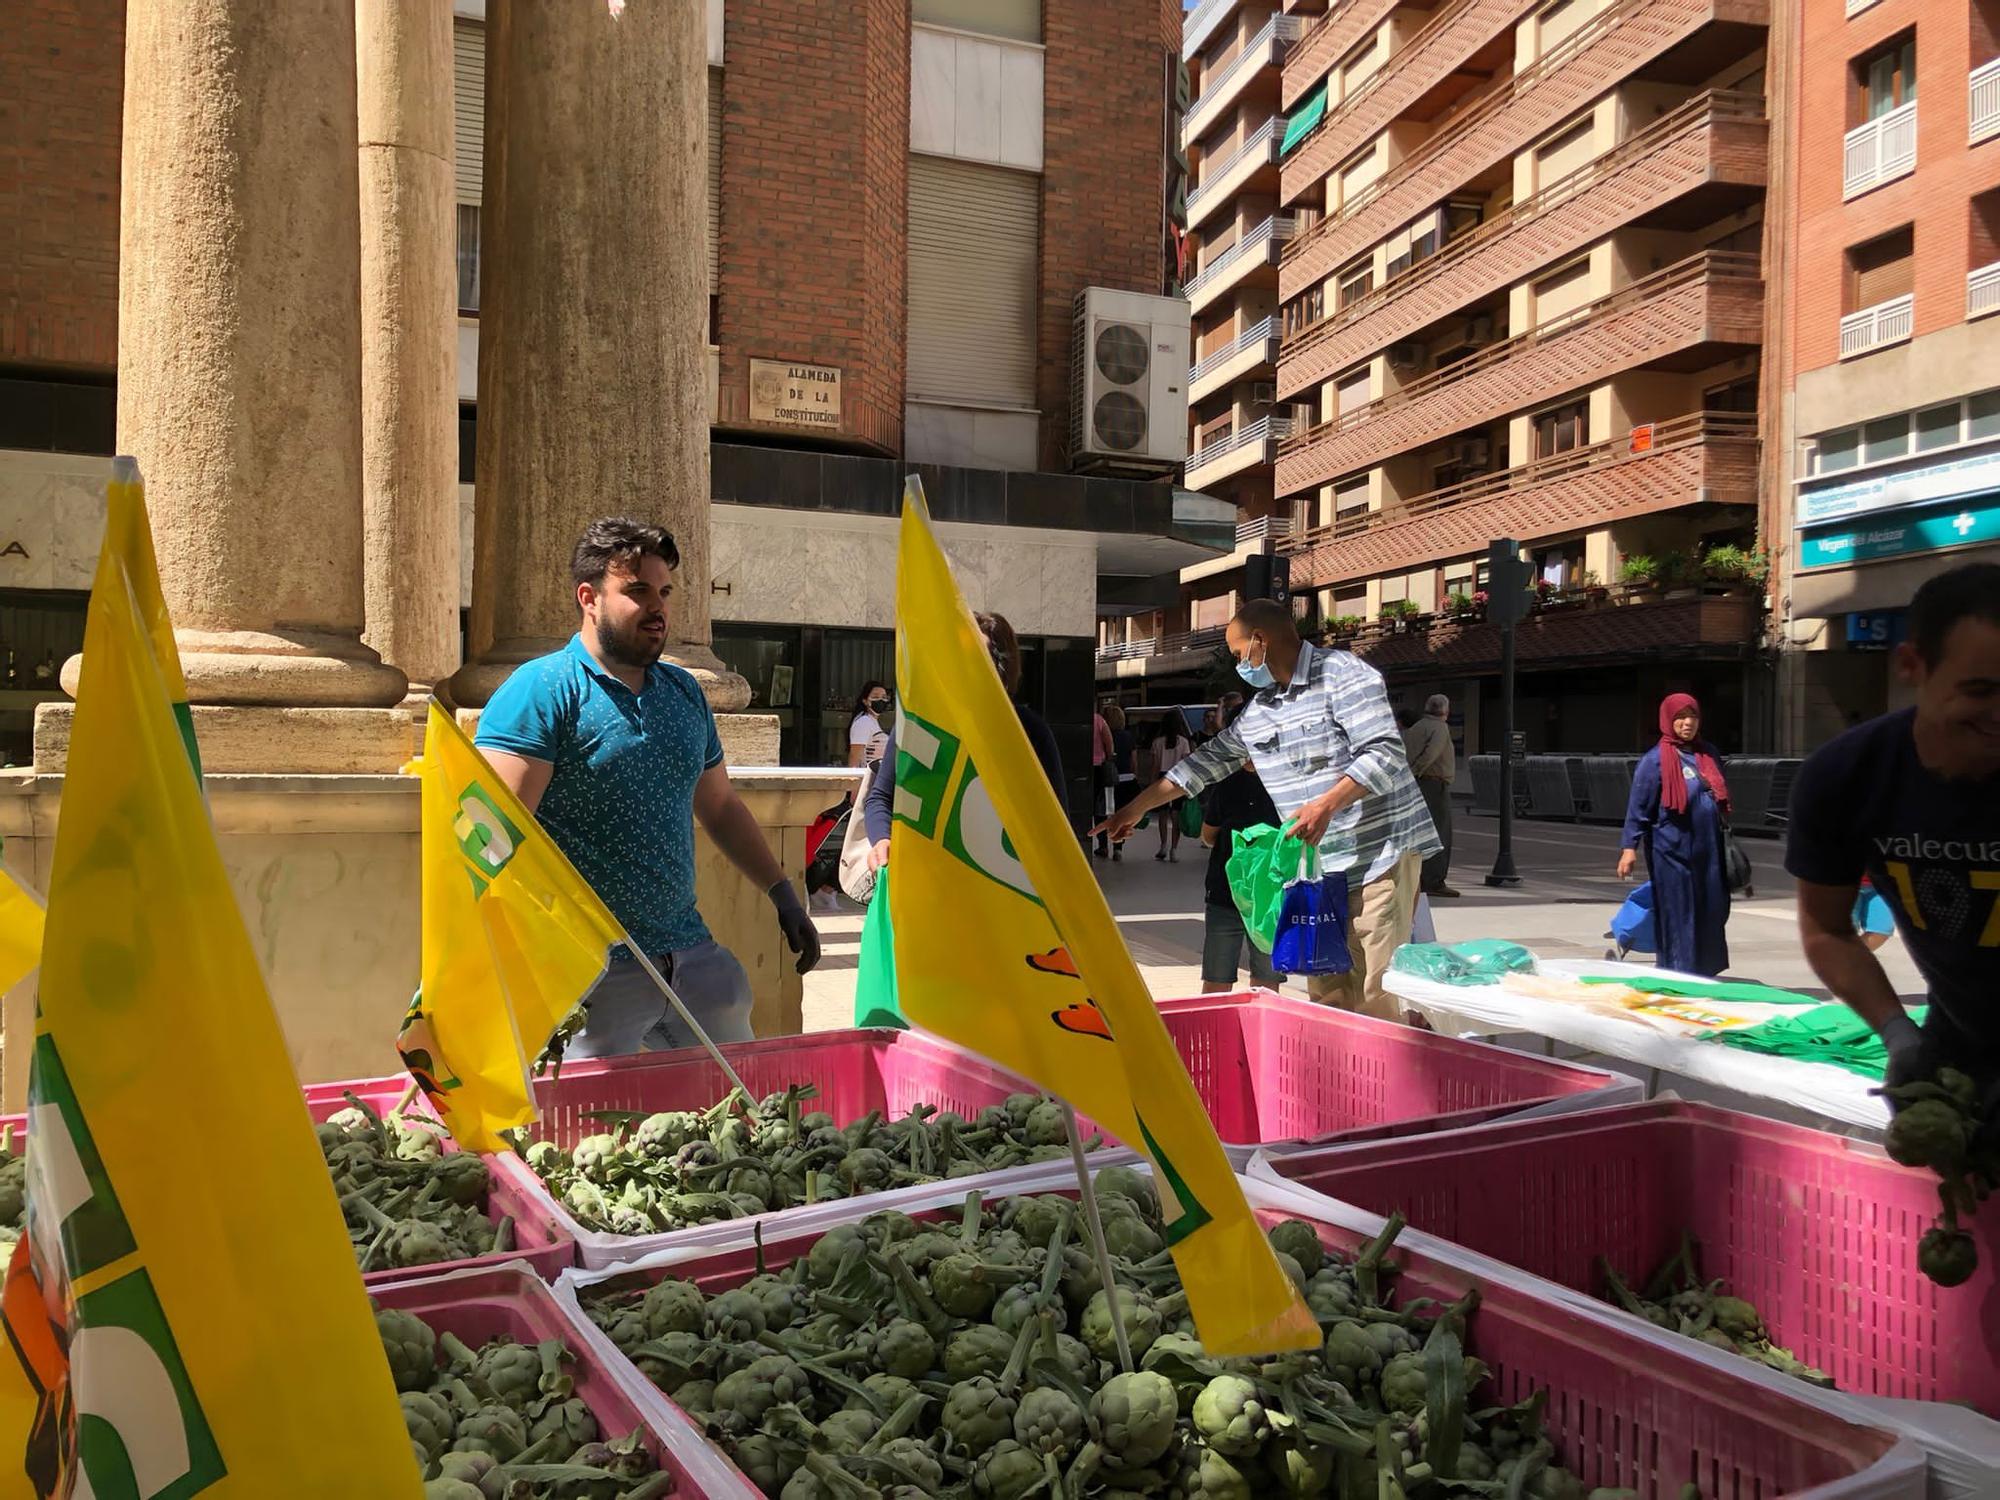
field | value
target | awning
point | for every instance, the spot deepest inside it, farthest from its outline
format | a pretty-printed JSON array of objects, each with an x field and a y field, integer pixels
[
  {"x": 1827, "y": 592},
  {"x": 1301, "y": 121}
]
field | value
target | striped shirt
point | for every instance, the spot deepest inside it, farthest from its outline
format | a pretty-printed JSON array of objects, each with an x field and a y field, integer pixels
[{"x": 1332, "y": 720}]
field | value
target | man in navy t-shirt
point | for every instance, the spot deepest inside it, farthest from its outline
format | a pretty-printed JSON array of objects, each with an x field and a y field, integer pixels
[
  {"x": 1912, "y": 801},
  {"x": 616, "y": 754}
]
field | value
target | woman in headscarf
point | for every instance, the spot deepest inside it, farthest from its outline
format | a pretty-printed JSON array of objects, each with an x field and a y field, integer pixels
[{"x": 1678, "y": 806}]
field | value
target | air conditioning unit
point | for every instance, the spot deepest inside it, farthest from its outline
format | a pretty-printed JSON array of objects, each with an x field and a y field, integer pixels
[
  {"x": 1128, "y": 387},
  {"x": 1264, "y": 393},
  {"x": 1408, "y": 356},
  {"x": 1473, "y": 453}
]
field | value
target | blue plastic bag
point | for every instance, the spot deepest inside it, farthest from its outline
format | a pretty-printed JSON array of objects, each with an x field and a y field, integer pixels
[
  {"x": 1632, "y": 923},
  {"x": 1312, "y": 922}
]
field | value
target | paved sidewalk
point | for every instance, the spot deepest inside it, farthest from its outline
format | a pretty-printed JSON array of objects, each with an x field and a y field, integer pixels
[{"x": 1562, "y": 909}]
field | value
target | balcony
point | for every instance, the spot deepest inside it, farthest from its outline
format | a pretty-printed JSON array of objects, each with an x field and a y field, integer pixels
[
  {"x": 1199, "y": 24},
  {"x": 1251, "y": 535},
  {"x": 1187, "y": 651},
  {"x": 1855, "y": 7},
  {"x": 1251, "y": 351},
  {"x": 1880, "y": 151},
  {"x": 1250, "y": 448},
  {"x": 1235, "y": 173},
  {"x": 1330, "y": 38},
  {"x": 1256, "y": 251},
  {"x": 1629, "y": 626},
  {"x": 1984, "y": 100},
  {"x": 1703, "y": 457},
  {"x": 1226, "y": 85},
  {"x": 1692, "y": 166},
  {"x": 1674, "y": 40},
  {"x": 1879, "y": 326},
  {"x": 1982, "y": 291},
  {"x": 1675, "y": 318}
]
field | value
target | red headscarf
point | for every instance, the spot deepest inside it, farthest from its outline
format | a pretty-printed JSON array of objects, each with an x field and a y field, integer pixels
[{"x": 1673, "y": 786}]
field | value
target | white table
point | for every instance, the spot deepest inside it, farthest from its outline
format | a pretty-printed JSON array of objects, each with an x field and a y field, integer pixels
[{"x": 1488, "y": 1010}]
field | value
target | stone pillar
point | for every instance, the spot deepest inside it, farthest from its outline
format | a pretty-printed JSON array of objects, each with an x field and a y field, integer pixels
[
  {"x": 409, "y": 337},
  {"x": 239, "y": 348},
  {"x": 593, "y": 385}
]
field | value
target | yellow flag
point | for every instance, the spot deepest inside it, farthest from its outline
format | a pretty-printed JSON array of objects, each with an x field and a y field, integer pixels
[
  {"x": 185, "y": 1307},
  {"x": 20, "y": 931},
  {"x": 1004, "y": 945},
  {"x": 513, "y": 939}
]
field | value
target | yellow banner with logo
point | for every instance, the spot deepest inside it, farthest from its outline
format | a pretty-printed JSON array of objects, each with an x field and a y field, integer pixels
[
  {"x": 185, "y": 1310},
  {"x": 1005, "y": 946},
  {"x": 513, "y": 940},
  {"x": 20, "y": 931}
]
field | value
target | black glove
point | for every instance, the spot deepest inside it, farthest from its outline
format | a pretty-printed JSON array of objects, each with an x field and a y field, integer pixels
[
  {"x": 800, "y": 934},
  {"x": 1909, "y": 1058}
]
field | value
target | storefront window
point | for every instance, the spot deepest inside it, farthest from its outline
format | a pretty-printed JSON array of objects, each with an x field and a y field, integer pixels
[{"x": 39, "y": 631}]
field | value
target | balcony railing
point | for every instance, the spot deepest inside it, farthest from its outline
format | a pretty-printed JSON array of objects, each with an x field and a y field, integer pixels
[
  {"x": 1855, "y": 7},
  {"x": 1697, "y": 114},
  {"x": 1876, "y": 327},
  {"x": 1255, "y": 334},
  {"x": 1628, "y": 34},
  {"x": 1328, "y": 38},
  {"x": 1264, "y": 528},
  {"x": 1163, "y": 645},
  {"x": 1667, "y": 437},
  {"x": 1982, "y": 290},
  {"x": 1264, "y": 138},
  {"x": 1199, "y": 24},
  {"x": 1276, "y": 228},
  {"x": 1984, "y": 87},
  {"x": 1264, "y": 429},
  {"x": 1258, "y": 54},
  {"x": 1509, "y": 385},
  {"x": 1880, "y": 151}
]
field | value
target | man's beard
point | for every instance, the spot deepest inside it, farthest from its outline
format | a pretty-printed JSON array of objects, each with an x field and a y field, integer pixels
[{"x": 630, "y": 647}]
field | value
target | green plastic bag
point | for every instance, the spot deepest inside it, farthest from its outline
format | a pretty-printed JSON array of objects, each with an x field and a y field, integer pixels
[
  {"x": 1190, "y": 817},
  {"x": 1476, "y": 961},
  {"x": 875, "y": 979},
  {"x": 1262, "y": 861}
]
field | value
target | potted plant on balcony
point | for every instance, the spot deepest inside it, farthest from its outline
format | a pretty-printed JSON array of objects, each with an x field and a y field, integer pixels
[
  {"x": 1399, "y": 615},
  {"x": 1342, "y": 628},
  {"x": 1641, "y": 576},
  {"x": 1592, "y": 587},
  {"x": 1735, "y": 570},
  {"x": 1464, "y": 607},
  {"x": 1681, "y": 574}
]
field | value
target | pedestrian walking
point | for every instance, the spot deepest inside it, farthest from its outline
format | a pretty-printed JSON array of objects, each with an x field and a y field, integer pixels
[
  {"x": 1678, "y": 809},
  {"x": 1103, "y": 777},
  {"x": 1236, "y": 802},
  {"x": 1124, "y": 773},
  {"x": 1427, "y": 743},
  {"x": 1169, "y": 750}
]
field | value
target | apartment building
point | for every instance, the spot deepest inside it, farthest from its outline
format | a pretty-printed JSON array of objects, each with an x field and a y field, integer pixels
[
  {"x": 1524, "y": 298},
  {"x": 905, "y": 200},
  {"x": 1890, "y": 460}
]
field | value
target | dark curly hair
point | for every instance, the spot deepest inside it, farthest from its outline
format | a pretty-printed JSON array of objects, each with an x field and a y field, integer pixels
[{"x": 619, "y": 541}]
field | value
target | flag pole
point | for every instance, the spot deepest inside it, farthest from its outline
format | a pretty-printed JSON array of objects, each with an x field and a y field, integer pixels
[
  {"x": 1087, "y": 1190},
  {"x": 681, "y": 1010}
]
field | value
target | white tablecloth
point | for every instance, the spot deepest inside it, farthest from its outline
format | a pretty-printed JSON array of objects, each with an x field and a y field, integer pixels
[{"x": 1490, "y": 1010}]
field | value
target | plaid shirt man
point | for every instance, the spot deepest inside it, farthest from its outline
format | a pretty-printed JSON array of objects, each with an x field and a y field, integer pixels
[{"x": 1331, "y": 720}]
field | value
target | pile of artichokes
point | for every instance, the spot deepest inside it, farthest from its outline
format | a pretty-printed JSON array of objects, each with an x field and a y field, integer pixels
[
  {"x": 505, "y": 1422},
  {"x": 408, "y": 1201},
  {"x": 977, "y": 1357},
  {"x": 1937, "y": 1125},
  {"x": 651, "y": 1173},
  {"x": 1678, "y": 1300}
]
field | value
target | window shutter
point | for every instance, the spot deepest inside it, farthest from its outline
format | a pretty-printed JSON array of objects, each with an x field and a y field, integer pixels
[
  {"x": 975, "y": 237},
  {"x": 714, "y": 181},
  {"x": 468, "y": 107},
  {"x": 1882, "y": 270},
  {"x": 1556, "y": 159}
]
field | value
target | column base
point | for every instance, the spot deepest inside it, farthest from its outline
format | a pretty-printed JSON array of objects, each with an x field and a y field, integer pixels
[
  {"x": 475, "y": 683},
  {"x": 243, "y": 740},
  {"x": 262, "y": 669},
  {"x": 748, "y": 739}
]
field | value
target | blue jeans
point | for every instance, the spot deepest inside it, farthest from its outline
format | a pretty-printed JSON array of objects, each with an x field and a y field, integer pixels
[{"x": 629, "y": 1014}]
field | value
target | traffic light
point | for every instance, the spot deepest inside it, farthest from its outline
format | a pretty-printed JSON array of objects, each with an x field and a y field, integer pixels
[
  {"x": 1266, "y": 576},
  {"x": 1508, "y": 580}
]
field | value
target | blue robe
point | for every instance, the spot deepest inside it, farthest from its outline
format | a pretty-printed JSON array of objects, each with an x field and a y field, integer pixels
[{"x": 1684, "y": 853}]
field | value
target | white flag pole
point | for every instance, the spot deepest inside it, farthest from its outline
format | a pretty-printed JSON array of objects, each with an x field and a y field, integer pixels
[{"x": 1087, "y": 1190}]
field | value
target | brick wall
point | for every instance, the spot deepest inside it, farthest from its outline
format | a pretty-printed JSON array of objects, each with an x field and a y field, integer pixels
[
  {"x": 1103, "y": 175},
  {"x": 62, "y": 80},
  {"x": 815, "y": 110},
  {"x": 1934, "y": 198}
]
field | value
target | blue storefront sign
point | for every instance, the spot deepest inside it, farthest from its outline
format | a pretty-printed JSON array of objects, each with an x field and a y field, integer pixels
[
  {"x": 1966, "y": 478},
  {"x": 1877, "y": 630},
  {"x": 1902, "y": 533}
]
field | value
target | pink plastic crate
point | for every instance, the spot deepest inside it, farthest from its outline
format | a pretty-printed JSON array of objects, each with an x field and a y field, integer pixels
[
  {"x": 1818, "y": 1231},
  {"x": 1276, "y": 1071},
  {"x": 507, "y": 1301},
  {"x": 1621, "y": 1411}
]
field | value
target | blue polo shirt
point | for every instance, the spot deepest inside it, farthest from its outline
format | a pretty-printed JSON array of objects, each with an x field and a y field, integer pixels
[{"x": 620, "y": 803}]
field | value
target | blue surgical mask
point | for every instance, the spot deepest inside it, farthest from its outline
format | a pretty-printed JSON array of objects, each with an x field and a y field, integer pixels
[{"x": 1257, "y": 675}]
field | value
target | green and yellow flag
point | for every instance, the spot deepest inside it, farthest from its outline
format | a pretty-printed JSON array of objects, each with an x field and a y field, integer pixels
[
  {"x": 513, "y": 939},
  {"x": 20, "y": 931},
  {"x": 185, "y": 1309},
  {"x": 1004, "y": 945}
]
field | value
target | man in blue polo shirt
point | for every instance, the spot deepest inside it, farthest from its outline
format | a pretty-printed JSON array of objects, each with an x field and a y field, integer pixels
[{"x": 616, "y": 754}]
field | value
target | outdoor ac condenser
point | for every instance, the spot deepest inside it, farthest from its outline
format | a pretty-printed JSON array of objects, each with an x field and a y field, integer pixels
[{"x": 1128, "y": 382}]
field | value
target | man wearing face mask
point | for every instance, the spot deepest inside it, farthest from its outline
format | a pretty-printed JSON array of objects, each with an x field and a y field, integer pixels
[
  {"x": 1320, "y": 733},
  {"x": 616, "y": 754}
]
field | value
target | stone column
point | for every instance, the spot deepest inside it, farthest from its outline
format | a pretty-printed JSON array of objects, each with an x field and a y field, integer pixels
[
  {"x": 239, "y": 349},
  {"x": 593, "y": 384},
  {"x": 409, "y": 337}
]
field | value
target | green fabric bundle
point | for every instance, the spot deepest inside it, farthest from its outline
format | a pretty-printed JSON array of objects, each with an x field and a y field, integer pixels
[{"x": 1825, "y": 1034}]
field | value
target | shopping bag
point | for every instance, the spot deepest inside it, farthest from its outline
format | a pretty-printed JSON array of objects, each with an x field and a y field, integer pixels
[
  {"x": 823, "y": 865},
  {"x": 1737, "y": 872},
  {"x": 857, "y": 872},
  {"x": 1257, "y": 880},
  {"x": 1312, "y": 921},
  {"x": 1632, "y": 923},
  {"x": 875, "y": 979},
  {"x": 1190, "y": 817}
]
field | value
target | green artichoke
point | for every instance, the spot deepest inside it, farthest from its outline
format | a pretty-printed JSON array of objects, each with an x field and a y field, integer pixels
[
  {"x": 904, "y": 1348},
  {"x": 461, "y": 1178},
  {"x": 1230, "y": 1418},
  {"x": 737, "y": 1317},
  {"x": 965, "y": 1286},
  {"x": 1303, "y": 1471},
  {"x": 1350, "y": 1358},
  {"x": 1047, "y": 1125},
  {"x": 410, "y": 1345},
  {"x": 1129, "y": 1237},
  {"x": 1404, "y": 1388},
  {"x": 980, "y": 1349},
  {"x": 1947, "y": 1255},
  {"x": 494, "y": 1430},
  {"x": 1135, "y": 1417},
  {"x": 430, "y": 1422},
  {"x": 512, "y": 1372},
  {"x": 1207, "y": 1475},
  {"x": 1299, "y": 1240},
  {"x": 847, "y": 1430},
  {"x": 767, "y": 1382},
  {"x": 452, "y": 1489},
  {"x": 673, "y": 1307},
  {"x": 1330, "y": 1295},
  {"x": 866, "y": 1170},
  {"x": 664, "y": 1134},
  {"x": 571, "y": 1418},
  {"x": 1048, "y": 1421},
  {"x": 1008, "y": 1471},
  {"x": 977, "y": 1414},
  {"x": 1141, "y": 1318},
  {"x": 596, "y": 1157}
]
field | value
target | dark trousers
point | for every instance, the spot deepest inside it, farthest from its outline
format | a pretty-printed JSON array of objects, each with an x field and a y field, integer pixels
[{"x": 1437, "y": 797}]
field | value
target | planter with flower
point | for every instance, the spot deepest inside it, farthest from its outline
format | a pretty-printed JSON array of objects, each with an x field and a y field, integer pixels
[
  {"x": 1399, "y": 615},
  {"x": 1641, "y": 576},
  {"x": 1734, "y": 570}
]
